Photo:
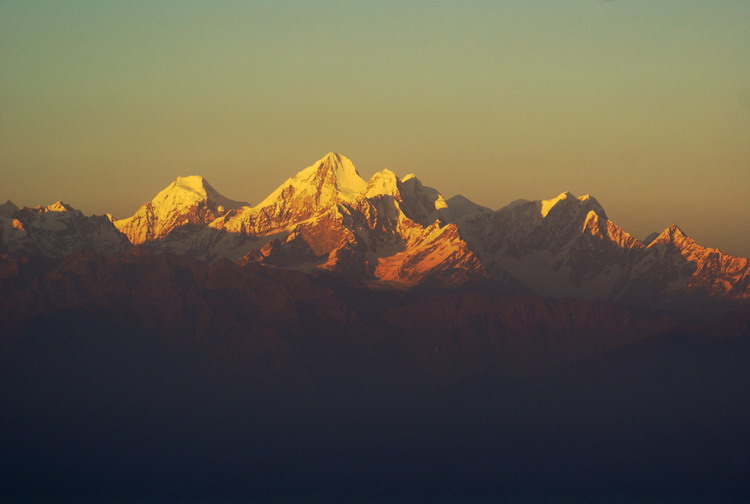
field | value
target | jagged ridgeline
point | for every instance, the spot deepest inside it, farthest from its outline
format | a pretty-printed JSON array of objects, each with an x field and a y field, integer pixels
[
  {"x": 366, "y": 338},
  {"x": 394, "y": 231}
]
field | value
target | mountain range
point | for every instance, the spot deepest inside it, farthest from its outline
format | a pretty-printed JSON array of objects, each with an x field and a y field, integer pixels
[
  {"x": 356, "y": 340},
  {"x": 395, "y": 232}
]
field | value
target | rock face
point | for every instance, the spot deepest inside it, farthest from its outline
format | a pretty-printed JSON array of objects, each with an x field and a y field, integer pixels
[
  {"x": 567, "y": 247},
  {"x": 675, "y": 272},
  {"x": 400, "y": 233},
  {"x": 186, "y": 201},
  {"x": 57, "y": 231},
  {"x": 325, "y": 217},
  {"x": 681, "y": 259},
  {"x": 376, "y": 327},
  {"x": 559, "y": 247}
]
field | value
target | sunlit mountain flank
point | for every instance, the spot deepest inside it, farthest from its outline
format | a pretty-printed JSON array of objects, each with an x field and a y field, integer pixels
[
  {"x": 450, "y": 252},
  {"x": 378, "y": 328},
  {"x": 395, "y": 232}
]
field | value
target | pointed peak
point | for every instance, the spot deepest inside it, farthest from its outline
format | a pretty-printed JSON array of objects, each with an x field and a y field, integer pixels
[
  {"x": 382, "y": 183},
  {"x": 57, "y": 206},
  {"x": 184, "y": 191},
  {"x": 336, "y": 160},
  {"x": 549, "y": 204},
  {"x": 675, "y": 231},
  {"x": 587, "y": 198},
  {"x": 672, "y": 235},
  {"x": 586, "y": 202},
  {"x": 592, "y": 216},
  {"x": 329, "y": 179},
  {"x": 194, "y": 183},
  {"x": 412, "y": 181},
  {"x": 335, "y": 170},
  {"x": 199, "y": 185},
  {"x": 333, "y": 157},
  {"x": 8, "y": 208},
  {"x": 187, "y": 184},
  {"x": 592, "y": 224}
]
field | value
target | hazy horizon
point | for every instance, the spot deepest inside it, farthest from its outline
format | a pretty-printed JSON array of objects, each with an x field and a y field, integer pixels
[{"x": 644, "y": 105}]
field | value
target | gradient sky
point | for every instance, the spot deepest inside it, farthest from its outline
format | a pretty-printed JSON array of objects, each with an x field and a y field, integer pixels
[{"x": 643, "y": 103}]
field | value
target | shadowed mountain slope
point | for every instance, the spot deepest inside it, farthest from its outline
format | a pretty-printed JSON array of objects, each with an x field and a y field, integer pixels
[{"x": 395, "y": 232}]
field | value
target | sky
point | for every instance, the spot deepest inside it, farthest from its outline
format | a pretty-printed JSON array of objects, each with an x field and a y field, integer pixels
[{"x": 645, "y": 104}]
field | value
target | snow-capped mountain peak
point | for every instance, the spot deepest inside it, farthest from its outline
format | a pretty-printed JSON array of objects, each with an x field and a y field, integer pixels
[
  {"x": 187, "y": 200},
  {"x": 58, "y": 230},
  {"x": 398, "y": 230},
  {"x": 679, "y": 261},
  {"x": 338, "y": 171},
  {"x": 57, "y": 206},
  {"x": 592, "y": 223},
  {"x": 191, "y": 183},
  {"x": 586, "y": 203},
  {"x": 672, "y": 235},
  {"x": 383, "y": 183},
  {"x": 549, "y": 204},
  {"x": 341, "y": 171},
  {"x": 333, "y": 177},
  {"x": 186, "y": 191}
]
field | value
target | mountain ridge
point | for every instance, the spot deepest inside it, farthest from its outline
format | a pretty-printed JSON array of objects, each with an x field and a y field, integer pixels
[
  {"x": 500, "y": 344},
  {"x": 187, "y": 200},
  {"x": 400, "y": 233}
]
